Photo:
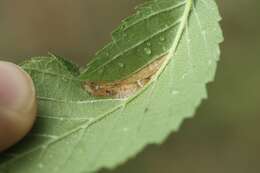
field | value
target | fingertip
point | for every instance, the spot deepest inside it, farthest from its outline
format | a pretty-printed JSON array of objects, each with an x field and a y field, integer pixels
[{"x": 17, "y": 104}]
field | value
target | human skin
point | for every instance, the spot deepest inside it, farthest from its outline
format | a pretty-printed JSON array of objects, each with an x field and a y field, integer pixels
[{"x": 17, "y": 104}]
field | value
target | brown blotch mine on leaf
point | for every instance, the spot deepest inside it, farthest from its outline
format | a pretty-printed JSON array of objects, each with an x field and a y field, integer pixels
[{"x": 126, "y": 87}]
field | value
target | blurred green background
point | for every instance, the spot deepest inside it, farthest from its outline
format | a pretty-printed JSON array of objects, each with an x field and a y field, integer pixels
[{"x": 223, "y": 136}]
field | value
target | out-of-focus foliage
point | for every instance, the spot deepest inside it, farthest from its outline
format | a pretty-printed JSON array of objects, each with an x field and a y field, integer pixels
[{"x": 223, "y": 137}]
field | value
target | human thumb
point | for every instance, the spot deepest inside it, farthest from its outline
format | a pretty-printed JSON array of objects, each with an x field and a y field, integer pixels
[{"x": 17, "y": 104}]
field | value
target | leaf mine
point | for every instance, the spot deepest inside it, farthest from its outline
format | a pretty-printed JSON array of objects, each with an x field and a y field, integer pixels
[{"x": 127, "y": 87}]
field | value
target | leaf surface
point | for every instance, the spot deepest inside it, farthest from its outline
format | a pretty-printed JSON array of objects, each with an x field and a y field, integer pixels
[{"x": 78, "y": 132}]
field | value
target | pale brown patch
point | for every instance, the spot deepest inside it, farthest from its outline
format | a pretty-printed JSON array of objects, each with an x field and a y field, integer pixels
[{"x": 127, "y": 87}]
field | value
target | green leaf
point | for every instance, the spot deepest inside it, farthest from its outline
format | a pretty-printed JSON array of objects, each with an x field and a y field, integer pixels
[{"x": 78, "y": 132}]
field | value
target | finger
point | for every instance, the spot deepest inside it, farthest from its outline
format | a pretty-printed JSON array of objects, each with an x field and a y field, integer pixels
[{"x": 17, "y": 104}]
